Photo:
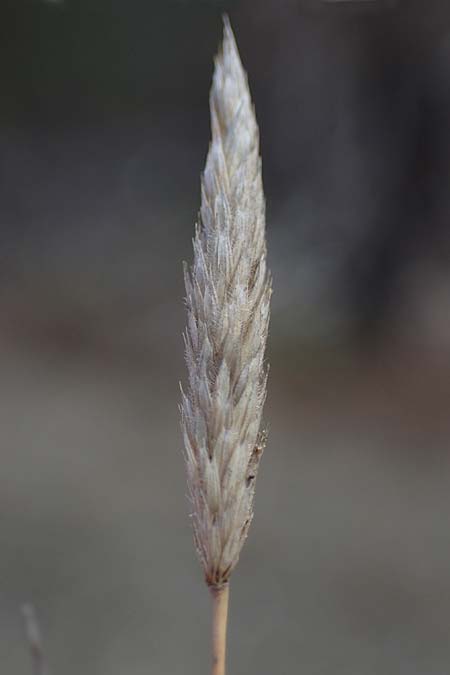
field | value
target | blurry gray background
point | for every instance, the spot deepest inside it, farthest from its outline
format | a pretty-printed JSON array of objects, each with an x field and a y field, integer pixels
[{"x": 104, "y": 130}]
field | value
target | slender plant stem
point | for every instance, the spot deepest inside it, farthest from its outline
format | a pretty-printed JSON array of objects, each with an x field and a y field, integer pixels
[
  {"x": 34, "y": 639},
  {"x": 219, "y": 628}
]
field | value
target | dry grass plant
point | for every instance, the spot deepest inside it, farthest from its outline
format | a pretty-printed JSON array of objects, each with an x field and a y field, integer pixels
[{"x": 228, "y": 302}]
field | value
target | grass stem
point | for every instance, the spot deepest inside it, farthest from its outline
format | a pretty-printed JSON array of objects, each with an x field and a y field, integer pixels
[{"x": 219, "y": 628}]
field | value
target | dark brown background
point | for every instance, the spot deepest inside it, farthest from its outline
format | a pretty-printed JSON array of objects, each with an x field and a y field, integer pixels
[{"x": 103, "y": 133}]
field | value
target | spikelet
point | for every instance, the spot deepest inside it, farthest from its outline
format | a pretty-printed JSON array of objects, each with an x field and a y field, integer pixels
[{"x": 228, "y": 298}]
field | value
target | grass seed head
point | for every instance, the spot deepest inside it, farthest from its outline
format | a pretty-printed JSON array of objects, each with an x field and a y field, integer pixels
[{"x": 228, "y": 301}]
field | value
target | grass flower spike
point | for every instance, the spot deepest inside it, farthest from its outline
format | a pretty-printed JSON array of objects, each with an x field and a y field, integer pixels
[{"x": 228, "y": 301}]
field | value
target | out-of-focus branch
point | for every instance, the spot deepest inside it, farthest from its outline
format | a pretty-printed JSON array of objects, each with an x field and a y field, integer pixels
[{"x": 34, "y": 639}]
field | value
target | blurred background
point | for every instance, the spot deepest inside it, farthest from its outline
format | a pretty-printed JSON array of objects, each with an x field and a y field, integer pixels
[{"x": 104, "y": 129}]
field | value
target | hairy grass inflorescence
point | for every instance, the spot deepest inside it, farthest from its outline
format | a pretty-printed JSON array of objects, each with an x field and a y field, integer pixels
[{"x": 228, "y": 298}]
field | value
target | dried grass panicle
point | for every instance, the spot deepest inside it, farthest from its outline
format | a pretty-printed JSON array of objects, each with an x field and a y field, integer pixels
[{"x": 227, "y": 297}]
